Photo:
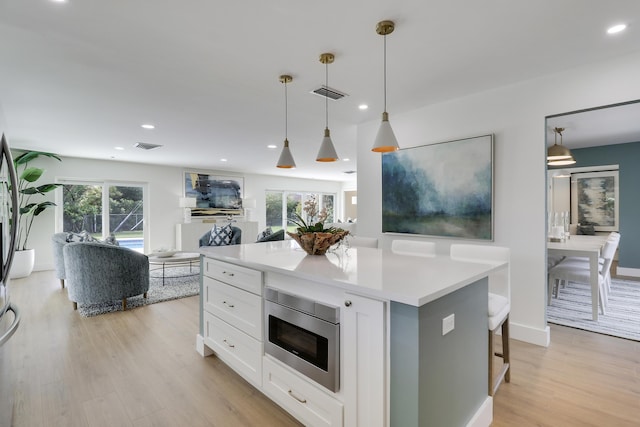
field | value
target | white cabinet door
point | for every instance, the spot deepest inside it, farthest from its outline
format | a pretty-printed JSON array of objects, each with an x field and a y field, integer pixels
[
  {"x": 364, "y": 361},
  {"x": 299, "y": 397},
  {"x": 235, "y": 306}
]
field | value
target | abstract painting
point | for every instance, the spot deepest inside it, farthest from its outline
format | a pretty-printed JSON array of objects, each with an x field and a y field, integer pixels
[
  {"x": 215, "y": 195},
  {"x": 443, "y": 190},
  {"x": 595, "y": 199}
]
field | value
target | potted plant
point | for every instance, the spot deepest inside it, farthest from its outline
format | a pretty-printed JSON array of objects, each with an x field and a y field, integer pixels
[
  {"x": 29, "y": 208},
  {"x": 314, "y": 238}
]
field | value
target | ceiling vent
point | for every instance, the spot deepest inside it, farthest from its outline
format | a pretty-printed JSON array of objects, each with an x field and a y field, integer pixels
[
  {"x": 328, "y": 92},
  {"x": 145, "y": 146}
]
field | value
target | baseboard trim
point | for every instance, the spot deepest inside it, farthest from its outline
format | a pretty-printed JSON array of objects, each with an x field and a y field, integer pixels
[
  {"x": 630, "y": 272},
  {"x": 541, "y": 337},
  {"x": 484, "y": 415}
]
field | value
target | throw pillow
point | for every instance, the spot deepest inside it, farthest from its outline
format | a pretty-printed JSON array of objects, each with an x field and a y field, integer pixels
[
  {"x": 220, "y": 236},
  {"x": 111, "y": 240},
  {"x": 83, "y": 236},
  {"x": 266, "y": 233}
]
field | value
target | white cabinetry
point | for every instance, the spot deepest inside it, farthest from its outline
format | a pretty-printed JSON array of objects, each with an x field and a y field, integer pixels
[
  {"x": 232, "y": 316},
  {"x": 363, "y": 361},
  {"x": 233, "y": 327},
  {"x": 300, "y": 397}
]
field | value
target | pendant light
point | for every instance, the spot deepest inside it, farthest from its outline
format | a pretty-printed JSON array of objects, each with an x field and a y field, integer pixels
[
  {"x": 286, "y": 159},
  {"x": 385, "y": 140},
  {"x": 327, "y": 152},
  {"x": 559, "y": 155}
]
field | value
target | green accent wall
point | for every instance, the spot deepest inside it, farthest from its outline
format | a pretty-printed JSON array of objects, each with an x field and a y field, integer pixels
[{"x": 627, "y": 156}]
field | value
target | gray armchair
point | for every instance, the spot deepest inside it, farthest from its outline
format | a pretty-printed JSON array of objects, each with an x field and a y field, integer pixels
[
  {"x": 99, "y": 272},
  {"x": 236, "y": 237}
]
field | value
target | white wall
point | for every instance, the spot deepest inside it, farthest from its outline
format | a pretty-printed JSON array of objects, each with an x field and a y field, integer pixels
[
  {"x": 515, "y": 114},
  {"x": 165, "y": 187}
]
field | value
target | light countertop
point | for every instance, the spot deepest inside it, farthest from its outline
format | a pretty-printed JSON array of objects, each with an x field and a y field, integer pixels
[{"x": 370, "y": 272}]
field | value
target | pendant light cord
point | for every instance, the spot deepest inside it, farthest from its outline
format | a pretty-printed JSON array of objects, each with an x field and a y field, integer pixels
[
  {"x": 385, "y": 73},
  {"x": 286, "y": 112},
  {"x": 326, "y": 98}
]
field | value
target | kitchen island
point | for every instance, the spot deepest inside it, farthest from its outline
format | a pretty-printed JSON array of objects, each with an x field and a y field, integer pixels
[{"x": 412, "y": 332}]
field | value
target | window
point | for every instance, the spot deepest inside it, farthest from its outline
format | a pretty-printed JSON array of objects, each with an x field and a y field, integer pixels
[
  {"x": 84, "y": 204},
  {"x": 282, "y": 206}
]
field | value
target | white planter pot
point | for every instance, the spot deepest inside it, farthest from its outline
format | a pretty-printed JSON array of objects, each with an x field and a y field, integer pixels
[{"x": 23, "y": 262}]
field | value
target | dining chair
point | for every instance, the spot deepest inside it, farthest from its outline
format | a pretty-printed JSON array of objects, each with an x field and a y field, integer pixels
[
  {"x": 578, "y": 271},
  {"x": 362, "y": 242},
  {"x": 613, "y": 237},
  {"x": 499, "y": 303},
  {"x": 413, "y": 247}
]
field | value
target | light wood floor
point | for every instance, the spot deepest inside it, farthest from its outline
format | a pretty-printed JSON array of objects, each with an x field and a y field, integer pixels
[{"x": 140, "y": 368}]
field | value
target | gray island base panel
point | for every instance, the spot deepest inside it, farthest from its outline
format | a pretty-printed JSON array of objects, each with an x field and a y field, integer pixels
[{"x": 435, "y": 379}]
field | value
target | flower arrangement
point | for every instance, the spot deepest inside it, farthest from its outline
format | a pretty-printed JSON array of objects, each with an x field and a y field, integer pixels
[{"x": 314, "y": 238}]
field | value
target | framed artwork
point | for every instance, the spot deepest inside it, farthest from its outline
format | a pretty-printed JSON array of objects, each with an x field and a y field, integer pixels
[
  {"x": 595, "y": 200},
  {"x": 215, "y": 195},
  {"x": 443, "y": 190}
]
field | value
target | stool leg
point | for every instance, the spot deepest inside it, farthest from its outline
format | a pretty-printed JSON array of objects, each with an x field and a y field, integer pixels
[{"x": 505, "y": 349}]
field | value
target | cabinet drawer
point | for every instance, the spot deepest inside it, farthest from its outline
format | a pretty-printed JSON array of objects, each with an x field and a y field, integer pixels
[
  {"x": 235, "y": 306},
  {"x": 238, "y": 350},
  {"x": 303, "y": 400},
  {"x": 241, "y": 277}
]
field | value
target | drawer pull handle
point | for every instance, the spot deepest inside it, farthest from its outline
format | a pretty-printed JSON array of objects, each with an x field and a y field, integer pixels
[
  {"x": 296, "y": 397},
  {"x": 228, "y": 305},
  {"x": 228, "y": 274},
  {"x": 347, "y": 303},
  {"x": 227, "y": 343}
]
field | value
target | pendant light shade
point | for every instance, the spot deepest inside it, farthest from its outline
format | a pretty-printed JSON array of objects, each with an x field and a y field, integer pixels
[
  {"x": 385, "y": 140},
  {"x": 286, "y": 158},
  {"x": 559, "y": 155},
  {"x": 327, "y": 152}
]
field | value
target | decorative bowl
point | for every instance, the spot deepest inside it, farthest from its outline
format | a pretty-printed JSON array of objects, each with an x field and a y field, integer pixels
[
  {"x": 317, "y": 243},
  {"x": 163, "y": 253}
]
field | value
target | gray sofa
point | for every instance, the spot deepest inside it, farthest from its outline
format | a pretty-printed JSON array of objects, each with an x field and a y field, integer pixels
[{"x": 100, "y": 272}]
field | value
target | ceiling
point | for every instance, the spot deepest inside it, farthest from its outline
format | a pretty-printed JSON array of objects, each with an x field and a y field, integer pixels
[{"x": 79, "y": 78}]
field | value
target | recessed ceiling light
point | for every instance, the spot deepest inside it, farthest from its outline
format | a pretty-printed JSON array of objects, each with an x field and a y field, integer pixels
[
  {"x": 148, "y": 126},
  {"x": 119, "y": 148},
  {"x": 223, "y": 160},
  {"x": 59, "y": 1},
  {"x": 616, "y": 28},
  {"x": 363, "y": 106},
  {"x": 346, "y": 159},
  {"x": 272, "y": 146}
]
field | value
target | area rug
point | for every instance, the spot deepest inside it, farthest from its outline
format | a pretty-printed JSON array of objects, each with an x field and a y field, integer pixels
[
  {"x": 182, "y": 283},
  {"x": 573, "y": 308}
]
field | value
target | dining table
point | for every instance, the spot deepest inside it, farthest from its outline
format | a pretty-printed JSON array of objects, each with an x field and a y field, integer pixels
[{"x": 586, "y": 246}]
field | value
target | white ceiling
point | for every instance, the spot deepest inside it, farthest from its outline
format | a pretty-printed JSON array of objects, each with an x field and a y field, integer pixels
[{"x": 79, "y": 78}]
